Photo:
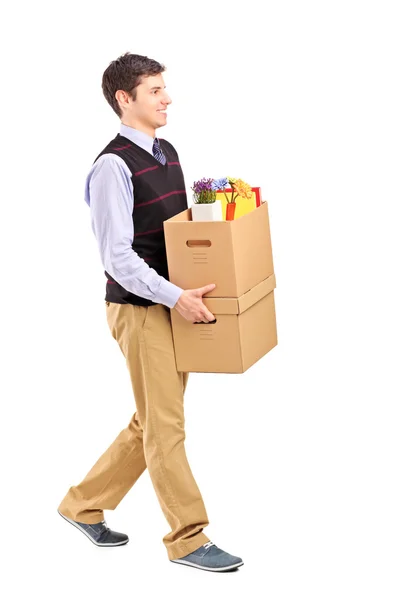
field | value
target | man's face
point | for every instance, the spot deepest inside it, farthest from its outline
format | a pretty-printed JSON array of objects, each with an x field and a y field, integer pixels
[{"x": 149, "y": 108}]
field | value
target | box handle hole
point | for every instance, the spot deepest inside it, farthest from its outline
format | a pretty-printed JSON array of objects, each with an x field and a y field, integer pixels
[
  {"x": 195, "y": 243},
  {"x": 202, "y": 322}
]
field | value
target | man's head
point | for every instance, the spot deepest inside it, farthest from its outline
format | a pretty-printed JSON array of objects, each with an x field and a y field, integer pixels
[{"x": 134, "y": 87}]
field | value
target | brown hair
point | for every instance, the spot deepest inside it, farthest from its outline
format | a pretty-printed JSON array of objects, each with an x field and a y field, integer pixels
[{"x": 126, "y": 74}]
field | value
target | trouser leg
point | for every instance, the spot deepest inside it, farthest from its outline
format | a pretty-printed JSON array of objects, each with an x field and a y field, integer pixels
[{"x": 144, "y": 335}]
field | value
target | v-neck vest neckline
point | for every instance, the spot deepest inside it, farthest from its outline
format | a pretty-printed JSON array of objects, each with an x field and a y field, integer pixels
[{"x": 157, "y": 162}]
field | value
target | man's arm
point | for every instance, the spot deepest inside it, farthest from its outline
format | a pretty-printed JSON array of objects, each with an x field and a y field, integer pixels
[{"x": 109, "y": 192}]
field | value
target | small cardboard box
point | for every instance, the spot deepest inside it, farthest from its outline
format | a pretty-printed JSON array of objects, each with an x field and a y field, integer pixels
[
  {"x": 244, "y": 331},
  {"x": 235, "y": 255}
]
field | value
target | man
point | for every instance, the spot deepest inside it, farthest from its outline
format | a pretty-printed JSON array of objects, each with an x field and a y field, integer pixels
[{"x": 135, "y": 184}]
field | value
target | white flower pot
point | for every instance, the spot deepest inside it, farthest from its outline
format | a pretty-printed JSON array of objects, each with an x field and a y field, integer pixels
[{"x": 207, "y": 212}]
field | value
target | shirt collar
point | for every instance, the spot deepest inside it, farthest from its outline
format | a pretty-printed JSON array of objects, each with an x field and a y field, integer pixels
[{"x": 140, "y": 138}]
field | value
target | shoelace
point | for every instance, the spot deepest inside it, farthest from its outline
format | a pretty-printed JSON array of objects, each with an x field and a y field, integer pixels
[
  {"x": 208, "y": 544},
  {"x": 104, "y": 529}
]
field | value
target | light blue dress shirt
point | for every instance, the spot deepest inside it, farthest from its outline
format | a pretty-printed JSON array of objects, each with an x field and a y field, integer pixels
[{"x": 109, "y": 194}]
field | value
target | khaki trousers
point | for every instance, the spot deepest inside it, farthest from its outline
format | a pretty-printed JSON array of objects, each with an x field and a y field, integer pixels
[{"x": 154, "y": 437}]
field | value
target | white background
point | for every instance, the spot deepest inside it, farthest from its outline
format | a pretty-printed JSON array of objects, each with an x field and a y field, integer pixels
[{"x": 298, "y": 458}]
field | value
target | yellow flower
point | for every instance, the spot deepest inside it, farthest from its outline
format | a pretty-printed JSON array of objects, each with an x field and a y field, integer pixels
[
  {"x": 242, "y": 188},
  {"x": 231, "y": 180}
]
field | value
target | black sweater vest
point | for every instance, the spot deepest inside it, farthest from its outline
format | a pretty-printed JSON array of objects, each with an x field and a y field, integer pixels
[{"x": 159, "y": 193}]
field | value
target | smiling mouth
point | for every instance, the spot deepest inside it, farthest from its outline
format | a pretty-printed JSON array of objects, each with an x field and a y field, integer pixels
[{"x": 164, "y": 111}]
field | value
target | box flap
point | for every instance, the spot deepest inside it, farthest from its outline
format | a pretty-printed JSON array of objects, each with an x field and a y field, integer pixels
[
  {"x": 236, "y": 306},
  {"x": 222, "y": 306},
  {"x": 185, "y": 215},
  {"x": 256, "y": 293}
]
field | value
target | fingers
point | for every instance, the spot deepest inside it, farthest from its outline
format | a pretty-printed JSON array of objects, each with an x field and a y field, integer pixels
[
  {"x": 205, "y": 318},
  {"x": 206, "y": 288}
]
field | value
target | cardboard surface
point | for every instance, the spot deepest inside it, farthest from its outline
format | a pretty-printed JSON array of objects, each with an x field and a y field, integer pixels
[
  {"x": 244, "y": 331},
  {"x": 236, "y": 306},
  {"x": 235, "y": 255}
]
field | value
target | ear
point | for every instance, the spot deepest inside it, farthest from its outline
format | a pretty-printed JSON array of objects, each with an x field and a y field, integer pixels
[{"x": 122, "y": 97}]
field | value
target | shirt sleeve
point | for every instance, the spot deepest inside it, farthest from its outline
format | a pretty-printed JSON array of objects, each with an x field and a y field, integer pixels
[{"x": 109, "y": 193}]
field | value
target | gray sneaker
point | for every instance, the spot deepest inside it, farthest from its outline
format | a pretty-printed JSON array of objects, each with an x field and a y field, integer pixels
[
  {"x": 99, "y": 533},
  {"x": 210, "y": 558}
]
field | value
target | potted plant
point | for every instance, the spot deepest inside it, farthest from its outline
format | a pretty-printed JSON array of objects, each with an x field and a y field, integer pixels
[
  {"x": 205, "y": 205},
  {"x": 238, "y": 188}
]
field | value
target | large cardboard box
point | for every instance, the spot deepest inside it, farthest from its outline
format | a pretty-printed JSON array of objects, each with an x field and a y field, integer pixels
[
  {"x": 235, "y": 255},
  {"x": 244, "y": 331}
]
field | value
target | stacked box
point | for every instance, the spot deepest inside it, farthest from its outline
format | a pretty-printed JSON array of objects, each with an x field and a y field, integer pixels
[{"x": 236, "y": 256}]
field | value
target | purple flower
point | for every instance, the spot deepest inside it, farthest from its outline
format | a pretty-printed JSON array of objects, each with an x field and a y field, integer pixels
[
  {"x": 203, "y": 192},
  {"x": 202, "y": 185}
]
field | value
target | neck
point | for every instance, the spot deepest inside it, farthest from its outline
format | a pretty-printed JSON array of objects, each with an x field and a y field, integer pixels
[{"x": 140, "y": 127}]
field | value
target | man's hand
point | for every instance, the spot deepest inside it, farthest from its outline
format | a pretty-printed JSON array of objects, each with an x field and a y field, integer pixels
[{"x": 191, "y": 306}]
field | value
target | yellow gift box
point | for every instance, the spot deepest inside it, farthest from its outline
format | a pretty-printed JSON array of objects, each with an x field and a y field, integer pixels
[{"x": 243, "y": 205}]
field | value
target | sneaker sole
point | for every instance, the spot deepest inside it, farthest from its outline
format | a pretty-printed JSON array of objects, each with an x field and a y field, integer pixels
[
  {"x": 190, "y": 564},
  {"x": 88, "y": 536}
]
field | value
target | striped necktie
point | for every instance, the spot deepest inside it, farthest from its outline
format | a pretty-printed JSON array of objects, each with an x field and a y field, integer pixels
[{"x": 158, "y": 153}]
